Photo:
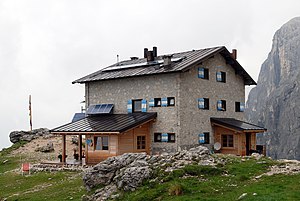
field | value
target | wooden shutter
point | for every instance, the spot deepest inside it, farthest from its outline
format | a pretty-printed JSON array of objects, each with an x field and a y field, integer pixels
[
  {"x": 164, "y": 102},
  {"x": 219, "y": 105},
  {"x": 242, "y": 107},
  {"x": 164, "y": 137},
  {"x": 144, "y": 105},
  {"x": 201, "y": 103},
  {"x": 201, "y": 73},
  {"x": 151, "y": 102},
  {"x": 129, "y": 106},
  {"x": 201, "y": 138},
  {"x": 219, "y": 76}
]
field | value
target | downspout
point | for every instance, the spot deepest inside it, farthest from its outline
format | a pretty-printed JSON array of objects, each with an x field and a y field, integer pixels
[
  {"x": 87, "y": 95},
  {"x": 178, "y": 112}
]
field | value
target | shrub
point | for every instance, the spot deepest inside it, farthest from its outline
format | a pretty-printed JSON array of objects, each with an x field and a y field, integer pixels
[{"x": 175, "y": 189}]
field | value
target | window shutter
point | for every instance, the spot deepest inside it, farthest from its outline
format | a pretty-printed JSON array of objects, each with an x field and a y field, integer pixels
[
  {"x": 201, "y": 103},
  {"x": 201, "y": 73},
  {"x": 219, "y": 105},
  {"x": 242, "y": 107},
  {"x": 129, "y": 106},
  {"x": 151, "y": 102},
  {"x": 144, "y": 105},
  {"x": 219, "y": 76},
  {"x": 201, "y": 138},
  {"x": 164, "y": 137},
  {"x": 164, "y": 102}
]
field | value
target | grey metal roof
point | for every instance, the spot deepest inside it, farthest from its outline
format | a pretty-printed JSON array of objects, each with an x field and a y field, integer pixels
[
  {"x": 189, "y": 58},
  {"x": 237, "y": 124},
  {"x": 106, "y": 123}
]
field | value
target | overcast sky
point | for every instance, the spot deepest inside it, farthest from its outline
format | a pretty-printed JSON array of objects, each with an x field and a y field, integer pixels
[{"x": 45, "y": 45}]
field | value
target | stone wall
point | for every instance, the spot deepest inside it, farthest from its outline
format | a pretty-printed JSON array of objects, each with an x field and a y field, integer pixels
[
  {"x": 119, "y": 91},
  {"x": 185, "y": 119},
  {"x": 193, "y": 120}
]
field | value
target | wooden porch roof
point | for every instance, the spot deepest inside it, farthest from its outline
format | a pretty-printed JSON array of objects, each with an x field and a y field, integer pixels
[
  {"x": 105, "y": 123},
  {"x": 238, "y": 125}
]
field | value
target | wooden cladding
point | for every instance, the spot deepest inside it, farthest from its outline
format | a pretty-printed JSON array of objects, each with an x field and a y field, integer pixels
[
  {"x": 237, "y": 143},
  {"x": 135, "y": 140}
]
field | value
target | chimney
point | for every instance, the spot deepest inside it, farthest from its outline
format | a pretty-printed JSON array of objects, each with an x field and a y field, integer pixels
[
  {"x": 167, "y": 60},
  {"x": 145, "y": 52},
  {"x": 150, "y": 56},
  {"x": 154, "y": 52},
  {"x": 234, "y": 54}
]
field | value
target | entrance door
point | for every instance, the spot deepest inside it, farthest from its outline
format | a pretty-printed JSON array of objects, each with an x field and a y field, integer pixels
[{"x": 248, "y": 141}]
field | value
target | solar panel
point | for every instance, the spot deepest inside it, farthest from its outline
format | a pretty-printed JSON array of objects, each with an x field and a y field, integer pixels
[
  {"x": 78, "y": 116},
  {"x": 100, "y": 109},
  {"x": 151, "y": 63}
]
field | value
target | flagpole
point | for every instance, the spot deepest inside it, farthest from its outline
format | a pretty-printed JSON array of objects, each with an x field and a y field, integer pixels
[{"x": 30, "y": 113}]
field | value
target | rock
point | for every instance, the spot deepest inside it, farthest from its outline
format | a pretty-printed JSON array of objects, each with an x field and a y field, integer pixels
[
  {"x": 16, "y": 136},
  {"x": 75, "y": 140},
  {"x": 128, "y": 171},
  {"x": 257, "y": 156},
  {"x": 47, "y": 148},
  {"x": 242, "y": 196},
  {"x": 274, "y": 102}
]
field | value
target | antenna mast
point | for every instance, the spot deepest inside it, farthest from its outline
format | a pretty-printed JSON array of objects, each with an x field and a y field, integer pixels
[{"x": 30, "y": 113}]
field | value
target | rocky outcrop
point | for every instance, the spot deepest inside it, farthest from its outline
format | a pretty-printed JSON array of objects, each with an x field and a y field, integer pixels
[
  {"x": 274, "y": 102},
  {"x": 128, "y": 171},
  {"x": 47, "y": 148},
  {"x": 16, "y": 136}
]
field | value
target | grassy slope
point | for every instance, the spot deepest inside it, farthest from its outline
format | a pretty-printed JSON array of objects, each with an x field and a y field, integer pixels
[
  {"x": 224, "y": 183},
  {"x": 193, "y": 182},
  {"x": 40, "y": 186}
]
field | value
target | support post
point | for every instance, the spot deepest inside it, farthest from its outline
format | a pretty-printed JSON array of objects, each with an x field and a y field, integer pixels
[
  {"x": 64, "y": 148},
  {"x": 80, "y": 147}
]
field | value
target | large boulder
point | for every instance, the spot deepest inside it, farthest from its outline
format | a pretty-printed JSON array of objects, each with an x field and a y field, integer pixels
[
  {"x": 47, "y": 148},
  {"x": 16, "y": 136},
  {"x": 128, "y": 171}
]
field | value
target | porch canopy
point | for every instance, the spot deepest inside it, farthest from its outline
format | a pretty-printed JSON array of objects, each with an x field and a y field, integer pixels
[
  {"x": 101, "y": 124},
  {"x": 237, "y": 125}
]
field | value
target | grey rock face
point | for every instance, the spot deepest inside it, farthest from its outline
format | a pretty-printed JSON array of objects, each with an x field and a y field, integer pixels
[
  {"x": 47, "y": 148},
  {"x": 128, "y": 171},
  {"x": 16, "y": 136},
  {"x": 274, "y": 102}
]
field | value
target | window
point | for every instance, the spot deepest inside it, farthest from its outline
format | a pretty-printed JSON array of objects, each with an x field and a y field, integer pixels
[
  {"x": 204, "y": 138},
  {"x": 171, "y": 137},
  {"x": 171, "y": 101},
  {"x": 137, "y": 105},
  {"x": 157, "y": 137},
  {"x": 221, "y": 105},
  {"x": 227, "y": 140},
  {"x": 101, "y": 143},
  {"x": 141, "y": 142},
  {"x": 221, "y": 76},
  {"x": 157, "y": 102},
  {"x": 203, "y": 73},
  {"x": 239, "y": 107},
  {"x": 203, "y": 103},
  {"x": 164, "y": 137}
]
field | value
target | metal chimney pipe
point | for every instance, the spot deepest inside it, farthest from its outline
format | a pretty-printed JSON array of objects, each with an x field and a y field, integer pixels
[
  {"x": 154, "y": 51},
  {"x": 145, "y": 52},
  {"x": 234, "y": 54}
]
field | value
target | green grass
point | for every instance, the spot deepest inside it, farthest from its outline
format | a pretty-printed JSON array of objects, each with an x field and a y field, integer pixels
[
  {"x": 39, "y": 186},
  {"x": 193, "y": 182},
  {"x": 224, "y": 182},
  {"x": 42, "y": 186}
]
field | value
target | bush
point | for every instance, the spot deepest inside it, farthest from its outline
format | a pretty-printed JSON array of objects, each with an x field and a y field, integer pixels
[{"x": 175, "y": 189}]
